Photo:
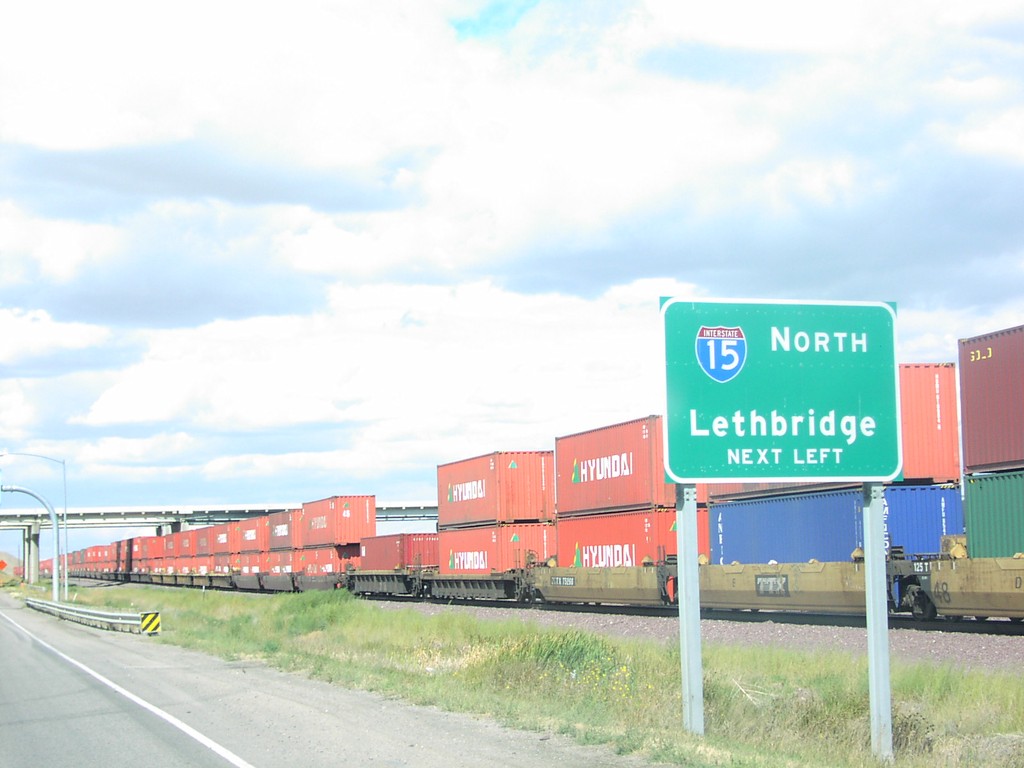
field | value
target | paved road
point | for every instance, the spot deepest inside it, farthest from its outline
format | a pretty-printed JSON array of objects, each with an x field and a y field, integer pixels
[{"x": 52, "y": 712}]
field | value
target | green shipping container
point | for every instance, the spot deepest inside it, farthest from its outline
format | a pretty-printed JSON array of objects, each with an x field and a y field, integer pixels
[{"x": 994, "y": 514}]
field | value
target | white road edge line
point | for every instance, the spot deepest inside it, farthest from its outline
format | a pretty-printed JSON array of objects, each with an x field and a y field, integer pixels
[{"x": 168, "y": 718}]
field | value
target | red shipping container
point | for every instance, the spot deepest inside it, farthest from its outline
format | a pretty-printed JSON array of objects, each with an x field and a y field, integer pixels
[
  {"x": 186, "y": 543},
  {"x": 224, "y": 538},
  {"x": 326, "y": 561},
  {"x": 337, "y": 520},
  {"x": 613, "y": 468},
  {"x": 152, "y": 546},
  {"x": 253, "y": 535},
  {"x": 991, "y": 402},
  {"x": 400, "y": 551},
  {"x": 251, "y": 563},
  {"x": 503, "y": 487},
  {"x": 928, "y": 419},
  {"x": 496, "y": 548},
  {"x": 203, "y": 541},
  {"x": 625, "y": 538},
  {"x": 281, "y": 561},
  {"x": 282, "y": 530},
  {"x": 121, "y": 556},
  {"x": 225, "y": 563}
]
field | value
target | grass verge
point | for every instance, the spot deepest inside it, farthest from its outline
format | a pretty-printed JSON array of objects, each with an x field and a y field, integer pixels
[{"x": 763, "y": 706}]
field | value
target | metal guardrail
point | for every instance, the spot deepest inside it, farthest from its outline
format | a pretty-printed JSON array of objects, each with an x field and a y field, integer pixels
[{"x": 139, "y": 623}]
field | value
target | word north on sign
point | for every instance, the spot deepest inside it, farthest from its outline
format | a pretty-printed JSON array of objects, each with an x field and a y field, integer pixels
[{"x": 780, "y": 391}]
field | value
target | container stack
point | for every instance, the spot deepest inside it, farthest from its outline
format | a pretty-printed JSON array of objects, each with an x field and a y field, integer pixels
[
  {"x": 799, "y": 522},
  {"x": 328, "y": 531},
  {"x": 282, "y": 540},
  {"x": 992, "y": 412},
  {"x": 224, "y": 547},
  {"x": 306, "y": 548},
  {"x": 495, "y": 512},
  {"x": 145, "y": 554},
  {"x": 614, "y": 506},
  {"x": 203, "y": 555},
  {"x": 253, "y": 540}
]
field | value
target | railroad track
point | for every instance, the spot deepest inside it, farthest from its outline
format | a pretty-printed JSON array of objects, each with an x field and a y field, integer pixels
[{"x": 965, "y": 626}]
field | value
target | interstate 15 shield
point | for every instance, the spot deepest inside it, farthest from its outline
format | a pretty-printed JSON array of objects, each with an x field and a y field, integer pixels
[
  {"x": 781, "y": 391},
  {"x": 721, "y": 352}
]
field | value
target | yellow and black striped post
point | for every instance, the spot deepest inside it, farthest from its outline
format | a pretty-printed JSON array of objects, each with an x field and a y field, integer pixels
[{"x": 150, "y": 623}]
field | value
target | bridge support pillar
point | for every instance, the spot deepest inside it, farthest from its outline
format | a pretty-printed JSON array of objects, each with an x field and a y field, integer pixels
[
  {"x": 168, "y": 528},
  {"x": 31, "y": 549}
]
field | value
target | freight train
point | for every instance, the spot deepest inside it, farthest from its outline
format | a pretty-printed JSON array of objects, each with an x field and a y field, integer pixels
[
  {"x": 594, "y": 522},
  {"x": 947, "y": 585}
]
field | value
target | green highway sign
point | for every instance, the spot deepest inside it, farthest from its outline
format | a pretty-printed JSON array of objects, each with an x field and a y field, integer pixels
[{"x": 781, "y": 391}]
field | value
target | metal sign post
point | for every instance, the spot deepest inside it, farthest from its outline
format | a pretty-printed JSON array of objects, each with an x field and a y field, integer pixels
[
  {"x": 876, "y": 592},
  {"x": 688, "y": 589}
]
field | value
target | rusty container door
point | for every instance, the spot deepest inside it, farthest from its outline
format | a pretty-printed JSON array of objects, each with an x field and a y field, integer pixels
[{"x": 992, "y": 400}]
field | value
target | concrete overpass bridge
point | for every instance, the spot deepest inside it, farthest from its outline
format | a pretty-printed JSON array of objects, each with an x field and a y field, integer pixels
[{"x": 164, "y": 519}]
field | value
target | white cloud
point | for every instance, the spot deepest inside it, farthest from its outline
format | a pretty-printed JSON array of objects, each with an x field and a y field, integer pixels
[
  {"x": 238, "y": 374},
  {"x": 998, "y": 134},
  {"x": 415, "y": 359},
  {"x": 824, "y": 183},
  {"x": 17, "y": 411},
  {"x": 809, "y": 27},
  {"x": 345, "y": 83},
  {"x": 34, "y": 333},
  {"x": 59, "y": 249},
  {"x": 932, "y": 334},
  {"x": 968, "y": 91},
  {"x": 792, "y": 25},
  {"x": 123, "y": 450}
]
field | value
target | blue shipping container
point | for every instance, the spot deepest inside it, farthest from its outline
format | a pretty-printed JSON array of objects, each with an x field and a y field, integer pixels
[{"x": 828, "y": 526}]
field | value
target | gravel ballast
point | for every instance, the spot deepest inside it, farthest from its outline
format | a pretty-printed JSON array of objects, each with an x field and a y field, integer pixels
[{"x": 960, "y": 649}]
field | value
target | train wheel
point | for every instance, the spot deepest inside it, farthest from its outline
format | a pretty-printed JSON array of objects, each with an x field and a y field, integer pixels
[{"x": 921, "y": 607}]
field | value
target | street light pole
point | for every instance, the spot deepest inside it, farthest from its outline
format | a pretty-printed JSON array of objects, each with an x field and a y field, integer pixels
[
  {"x": 56, "y": 539},
  {"x": 56, "y": 532}
]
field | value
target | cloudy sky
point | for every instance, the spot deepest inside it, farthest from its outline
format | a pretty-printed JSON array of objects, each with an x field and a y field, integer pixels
[{"x": 256, "y": 251}]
